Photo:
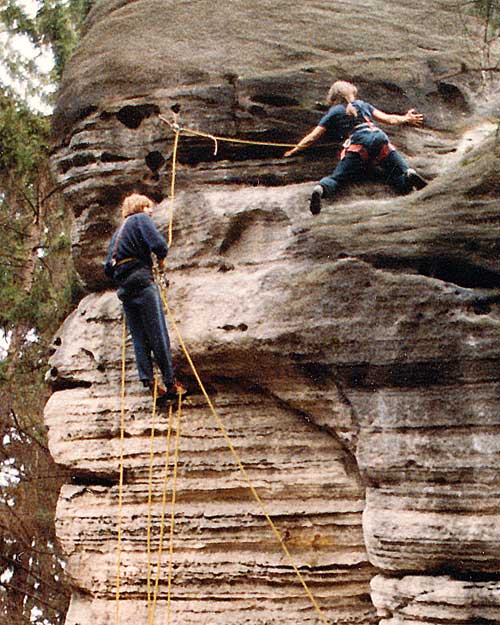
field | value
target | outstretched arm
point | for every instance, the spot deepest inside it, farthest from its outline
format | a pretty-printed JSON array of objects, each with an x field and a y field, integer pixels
[
  {"x": 411, "y": 117},
  {"x": 308, "y": 140}
]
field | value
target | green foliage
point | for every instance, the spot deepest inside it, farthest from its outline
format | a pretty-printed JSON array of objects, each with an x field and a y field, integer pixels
[
  {"x": 56, "y": 24},
  {"x": 38, "y": 288},
  {"x": 24, "y": 137}
]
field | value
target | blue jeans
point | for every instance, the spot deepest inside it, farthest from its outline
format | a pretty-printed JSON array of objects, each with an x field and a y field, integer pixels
[
  {"x": 146, "y": 322},
  {"x": 353, "y": 167}
]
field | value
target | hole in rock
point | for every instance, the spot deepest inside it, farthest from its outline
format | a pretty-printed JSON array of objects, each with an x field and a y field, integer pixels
[
  {"x": 86, "y": 478},
  {"x": 274, "y": 99},
  {"x": 452, "y": 96},
  {"x": 107, "y": 157},
  {"x": 460, "y": 272},
  {"x": 404, "y": 375},
  {"x": 79, "y": 160},
  {"x": 242, "y": 327},
  {"x": 481, "y": 308},
  {"x": 154, "y": 160},
  {"x": 63, "y": 384},
  {"x": 315, "y": 371},
  {"x": 133, "y": 116},
  {"x": 86, "y": 111}
]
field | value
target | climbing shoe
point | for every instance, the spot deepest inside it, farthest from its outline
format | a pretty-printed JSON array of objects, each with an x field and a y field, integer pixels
[
  {"x": 165, "y": 394},
  {"x": 415, "y": 181},
  {"x": 315, "y": 202},
  {"x": 161, "y": 391},
  {"x": 173, "y": 391}
]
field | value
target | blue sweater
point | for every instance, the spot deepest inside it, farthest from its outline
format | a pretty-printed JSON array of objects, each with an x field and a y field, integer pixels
[
  {"x": 138, "y": 239},
  {"x": 339, "y": 124}
]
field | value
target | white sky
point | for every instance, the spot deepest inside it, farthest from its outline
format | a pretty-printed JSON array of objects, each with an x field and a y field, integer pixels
[{"x": 21, "y": 45}]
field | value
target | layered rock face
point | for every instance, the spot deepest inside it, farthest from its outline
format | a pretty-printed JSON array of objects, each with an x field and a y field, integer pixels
[{"x": 352, "y": 357}]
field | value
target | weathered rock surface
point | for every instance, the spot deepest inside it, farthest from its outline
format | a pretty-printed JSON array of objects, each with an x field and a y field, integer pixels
[{"x": 353, "y": 357}]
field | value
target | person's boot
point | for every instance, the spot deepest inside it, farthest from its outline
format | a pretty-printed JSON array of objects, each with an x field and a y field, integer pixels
[
  {"x": 173, "y": 391},
  {"x": 315, "y": 202},
  {"x": 161, "y": 391},
  {"x": 415, "y": 181}
]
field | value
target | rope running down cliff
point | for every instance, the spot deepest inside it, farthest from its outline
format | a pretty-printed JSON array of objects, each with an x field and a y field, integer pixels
[
  {"x": 177, "y": 130},
  {"x": 239, "y": 462},
  {"x": 152, "y": 602}
]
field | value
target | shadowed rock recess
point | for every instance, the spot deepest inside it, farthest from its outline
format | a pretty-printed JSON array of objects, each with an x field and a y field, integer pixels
[{"x": 353, "y": 357}]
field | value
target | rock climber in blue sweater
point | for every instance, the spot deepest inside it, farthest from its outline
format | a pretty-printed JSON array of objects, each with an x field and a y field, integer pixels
[
  {"x": 350, "y": 120},
  {"x": 129, "y": 264}
]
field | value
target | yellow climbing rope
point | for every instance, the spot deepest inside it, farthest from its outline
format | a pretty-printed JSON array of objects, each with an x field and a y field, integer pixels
[
  {"x": 239, "y": 462},
  {"x": 120, "y": 481},
  {"x": 172, "y": 515},
  {"x": 216, "y": 138},
  {"x": 150, "y": 489},
  {"x": 152, "y": 609},
  {"x": 152, "y": 600},
  {"x": 172, "y": 186},
  {"x": 177, "y": 129}
]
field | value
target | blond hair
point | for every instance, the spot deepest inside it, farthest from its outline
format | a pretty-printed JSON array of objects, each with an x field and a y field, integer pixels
[
  {"x": 339, "y": 90},
  {"x": 135, "y": 203}
]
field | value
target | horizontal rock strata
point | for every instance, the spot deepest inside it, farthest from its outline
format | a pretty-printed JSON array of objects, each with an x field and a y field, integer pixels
[{"x": 353, "y": 357}]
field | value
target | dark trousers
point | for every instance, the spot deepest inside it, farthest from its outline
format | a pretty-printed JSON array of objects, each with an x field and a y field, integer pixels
[
  {"x": 146, "y": 322},
  {"x": 353, "y": 168}
]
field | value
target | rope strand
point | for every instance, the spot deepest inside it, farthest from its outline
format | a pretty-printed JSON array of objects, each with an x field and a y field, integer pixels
[
  {"x": 150, "y": 489},
  {"x": 162, "y": 518},
  {"x": 120, "y": 481},
  {"x": 172, "y": 515},
  {"x": 240, "y": 464},
  {"x": 178, "y": 129},
  {"x": 172, "y": 187}
]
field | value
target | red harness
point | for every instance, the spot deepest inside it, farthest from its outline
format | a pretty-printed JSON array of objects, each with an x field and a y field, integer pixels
[{"x": 357, "y": 148}]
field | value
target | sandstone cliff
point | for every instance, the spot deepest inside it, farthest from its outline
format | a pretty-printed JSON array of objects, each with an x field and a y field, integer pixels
[{"x": 353, "y": 357}]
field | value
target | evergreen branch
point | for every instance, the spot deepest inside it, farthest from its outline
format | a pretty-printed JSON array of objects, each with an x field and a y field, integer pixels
[
  {"x": 27, "y": 543},
  {"x": 24, "y": 591},
  {"x": 28, "y": 434},
  {"x": 33, "y": 574},
  {"x": 48, "y": 195}
]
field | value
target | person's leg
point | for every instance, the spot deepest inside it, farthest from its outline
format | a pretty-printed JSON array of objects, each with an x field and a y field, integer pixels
[
  {"x": 155, "y": 327},
  {"x": 349, "y": 169},
  {"x": 399, "y": 175},
  {"x": 142, "y": 348}
]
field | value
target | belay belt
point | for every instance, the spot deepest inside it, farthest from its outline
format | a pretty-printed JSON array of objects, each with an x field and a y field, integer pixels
[
  {"x": 116, "y": 263},
  {"x": 357, "y": 148}
]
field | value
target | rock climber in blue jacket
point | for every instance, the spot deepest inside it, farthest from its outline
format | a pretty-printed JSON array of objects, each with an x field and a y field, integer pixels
[
  {"x": 351, "y": 121},
  {"x": 129, "y": 264}
]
